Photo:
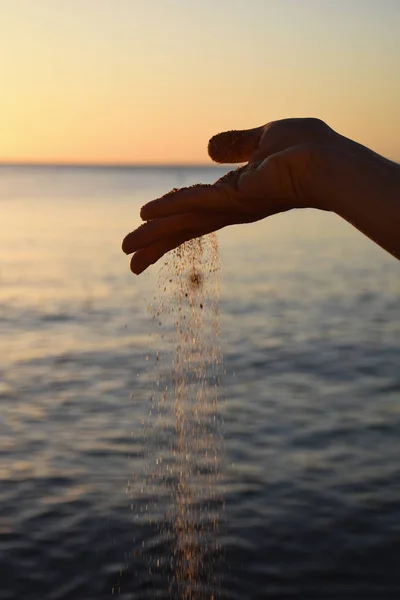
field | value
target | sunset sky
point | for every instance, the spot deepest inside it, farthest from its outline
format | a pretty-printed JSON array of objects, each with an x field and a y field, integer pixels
[{"x": 149, "y": 81}]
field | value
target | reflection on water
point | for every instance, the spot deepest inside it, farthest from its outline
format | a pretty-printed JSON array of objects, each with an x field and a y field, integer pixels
[{"x": 310, "y": 334}]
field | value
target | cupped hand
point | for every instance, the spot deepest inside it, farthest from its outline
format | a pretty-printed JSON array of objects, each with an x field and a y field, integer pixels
[{"x": 283, "y": 172}]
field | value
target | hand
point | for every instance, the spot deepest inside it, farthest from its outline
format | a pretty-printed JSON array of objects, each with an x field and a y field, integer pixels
[{"x": 293, "y": 163}]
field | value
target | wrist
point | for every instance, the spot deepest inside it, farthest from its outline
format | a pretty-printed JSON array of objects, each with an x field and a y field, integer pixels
[{"x": 357, "y": 176}]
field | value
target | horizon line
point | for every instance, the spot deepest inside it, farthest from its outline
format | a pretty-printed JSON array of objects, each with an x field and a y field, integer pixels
[{"x": 114, "y": 165}]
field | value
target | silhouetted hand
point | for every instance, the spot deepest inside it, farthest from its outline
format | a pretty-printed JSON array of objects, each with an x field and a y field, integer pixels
[{"x": 293, "y": 163}]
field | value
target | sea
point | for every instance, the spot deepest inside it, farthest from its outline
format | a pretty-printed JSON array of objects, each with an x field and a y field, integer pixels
[{"x": 307, "y": 402}]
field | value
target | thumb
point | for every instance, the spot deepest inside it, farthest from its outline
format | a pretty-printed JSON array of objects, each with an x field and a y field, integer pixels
[{"x": 234, "y": 146}]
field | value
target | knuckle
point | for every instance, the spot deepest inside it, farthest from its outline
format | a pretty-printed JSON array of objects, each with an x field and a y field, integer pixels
[
  {"x": 296, "y": 128},
  {"x": 315, "y": 124}
]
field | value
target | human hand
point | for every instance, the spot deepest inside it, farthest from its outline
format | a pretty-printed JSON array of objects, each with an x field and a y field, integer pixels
[{"x": 291, "y": 163}]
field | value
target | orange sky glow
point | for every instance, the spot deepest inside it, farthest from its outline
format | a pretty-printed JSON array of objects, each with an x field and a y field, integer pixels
[{"x": 99, "y": 81}]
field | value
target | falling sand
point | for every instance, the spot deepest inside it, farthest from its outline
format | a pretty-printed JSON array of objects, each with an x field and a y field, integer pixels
[{"x": 185, "y": 430}]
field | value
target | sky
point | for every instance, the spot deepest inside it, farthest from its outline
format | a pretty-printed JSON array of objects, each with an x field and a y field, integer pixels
[{"x": 150, "y": 81}]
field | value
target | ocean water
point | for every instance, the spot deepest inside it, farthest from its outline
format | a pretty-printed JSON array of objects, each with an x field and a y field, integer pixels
[{"x": 308, "y": 405}]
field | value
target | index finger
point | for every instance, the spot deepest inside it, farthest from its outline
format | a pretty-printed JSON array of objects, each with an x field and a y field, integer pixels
[{"x": 200, "y": 197}]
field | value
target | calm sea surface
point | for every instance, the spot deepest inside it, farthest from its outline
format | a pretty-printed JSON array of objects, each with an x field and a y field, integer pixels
[{"x": 309, "y": 404}]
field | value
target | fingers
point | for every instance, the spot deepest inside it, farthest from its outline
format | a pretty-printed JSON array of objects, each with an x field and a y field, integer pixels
[
  {"x": 235, "y": 146},
  {"x": 208, "y": 198},
  {"x": 150, "y": 254},
  {"x": 186, "y": 226},
  {"x": 151, "y": 232}
]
